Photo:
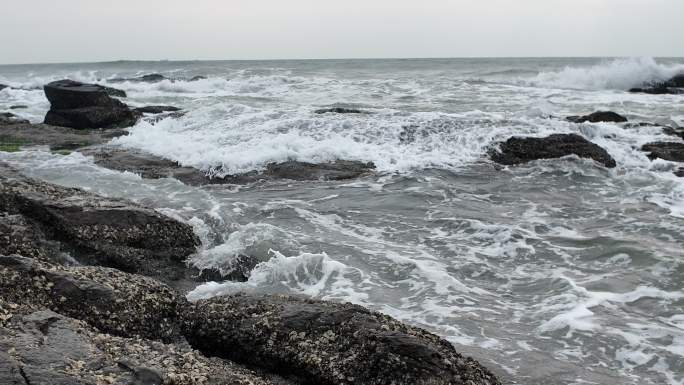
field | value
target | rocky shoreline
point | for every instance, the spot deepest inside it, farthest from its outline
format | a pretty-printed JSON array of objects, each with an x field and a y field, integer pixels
[
  {"x": 131, "y": 324},
  {"x": 92, "y": 288}
]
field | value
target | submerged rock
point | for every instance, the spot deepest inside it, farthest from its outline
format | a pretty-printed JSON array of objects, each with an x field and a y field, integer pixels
[
  {"x": 149, "y": 78},
  {"x": 198, "y": 77},
  {"x": 9, "y": 118},
  {"x": 337, "y": 170},
  {"x": 79, "y": 105},
  {"x": 98, "y": 230},
  {"x": 318, "y": 342},
  {"x": 599, "y": 116},
  {"x": 672, "y": 151},
  {"x": 340, "y": 110},
  {"x": 518, "y": 150},
  {"x": 45, "y": 347},
  {"x": 3, "y": 86},
  {"x": 156, "y": 109},
  {"x": 57, "y": 138},
  {"x": 18, "y": 107}
]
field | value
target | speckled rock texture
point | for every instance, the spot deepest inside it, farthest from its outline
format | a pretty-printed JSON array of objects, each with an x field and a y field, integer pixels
[
  {"x": 44, "y": 347},
  {"x": 98, "y": 230},
  {"x": 324, "y": 343},
  {"x": 517, "y": 150},
  {"x": 110, "y": 300}
]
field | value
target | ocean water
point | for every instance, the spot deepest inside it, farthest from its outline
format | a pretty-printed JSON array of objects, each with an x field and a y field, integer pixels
[{"x": 554, "y": 272}]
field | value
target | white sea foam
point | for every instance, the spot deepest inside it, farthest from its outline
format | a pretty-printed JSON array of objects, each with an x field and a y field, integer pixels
[{"x": 618, "y": 74}]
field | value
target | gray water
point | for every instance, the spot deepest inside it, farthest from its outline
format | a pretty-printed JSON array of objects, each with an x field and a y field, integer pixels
[{"x": 555, "y": 272}]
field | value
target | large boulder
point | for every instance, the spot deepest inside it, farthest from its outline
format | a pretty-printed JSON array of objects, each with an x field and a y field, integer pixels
[
  {"x": 45, "y": 347},
  {"x": 672, "y": 151},
  {"x": 98, "y": 230},
  {"x": 79, "y": 105},
  {"x": 518, "y": 150},
  {"x": 112, "y": 301},
  {"x": 598, "y": 116},
  {"x": 318, "y": 342}
]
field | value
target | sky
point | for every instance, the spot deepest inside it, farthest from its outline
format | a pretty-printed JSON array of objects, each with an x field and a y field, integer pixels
[{"x": 45, "y": 31}]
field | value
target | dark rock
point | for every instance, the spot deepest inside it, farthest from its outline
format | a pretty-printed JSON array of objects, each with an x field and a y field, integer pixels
[
  {"x": 671, "y": 151},
  {"x": 19, "y": 235},
  {"x": 238, "y": 269},
  {"x": 599, "y": 116},
  {"x": 9, "y": 118},
  {"x": 338, "y": 170},
  {"x": 198, "y": 77},
  {"x": 149, "y": 78},
  {"x": 671, "y": 86},
  {"x": 92, "y": 117},
  {"x": 148, "y": 166},
  {"x": 111, "y": 91},
  {"x": 157, "y": 109},
  {"x": 679, "y": 172},
  {"x": 18, "y": 107},
  {"x": 518, "y": 150},
  {"x": 318, "y": 342},
  {"x": 79, "y": 105},
  {"x": 57, "y": 138},
  {"x": 46, "y": 348},
  {"x": 3, "y": 86},
  {"x": 674, "y": 131},
  {"x": 151, "y": 166},
  {"x": 340, "y": 110},
  {"x": 110, "y": 300},
  {"x": 98, "y": 230}
]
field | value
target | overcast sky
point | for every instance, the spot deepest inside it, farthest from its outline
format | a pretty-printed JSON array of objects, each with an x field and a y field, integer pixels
[{"x": 98, "y": 30}]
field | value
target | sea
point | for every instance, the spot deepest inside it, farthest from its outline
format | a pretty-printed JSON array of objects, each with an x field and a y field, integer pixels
[{"x": 553, "y": 272}]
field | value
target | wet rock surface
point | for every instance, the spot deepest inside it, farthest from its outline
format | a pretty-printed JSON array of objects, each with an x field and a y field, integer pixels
[
  {"x": 7, "y": 118},
  {"x": 599, "y": 116},
  {"x": 303, "y": 171},
  {"x": 79, "y": 105},
  {"x": 97, "y": 230},
  {"x": 110, "y": 300},
  {"x": 340, "y": 110},
  {"x": 672, "y": 151},
  {"x": 318, "y": 342},
  {"x": 56, "y": 138},
  {"x": 44, "y": 347},
  {"x": 517, "y": 150},
  {"x": 675, "y": 85},
  {"x": 157, "y": 109}
]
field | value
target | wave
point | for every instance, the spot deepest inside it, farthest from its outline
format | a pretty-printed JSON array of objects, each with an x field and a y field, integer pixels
[{"x": 618, "y": 74}]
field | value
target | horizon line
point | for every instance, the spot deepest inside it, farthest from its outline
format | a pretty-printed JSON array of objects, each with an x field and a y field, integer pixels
[{"x": 334, "y": 59}]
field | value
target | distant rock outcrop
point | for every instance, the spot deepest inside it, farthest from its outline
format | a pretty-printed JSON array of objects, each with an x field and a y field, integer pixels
[
  {"x": 79, "y": 105},
  {"x": 672, "y": 86},
  {"x": 518, "y": 150},
  {"x": 598, "y": 116},
  {"x": 340, "y": 110}
]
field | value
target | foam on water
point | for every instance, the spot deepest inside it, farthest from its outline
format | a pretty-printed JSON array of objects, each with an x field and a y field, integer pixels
[
  {"x": 557, "y": 271},
  {"x": 617, "y": 74}
]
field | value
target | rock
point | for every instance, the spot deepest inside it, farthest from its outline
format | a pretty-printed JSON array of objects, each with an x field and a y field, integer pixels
[
  {"x": 114, "y": 92},
  {"x": 3, "y": 86},
  {"x": 156, "y": 109},
  {"x": 148, "y": 166},
  {"x": 518, "y": 150},
  {"x": 9, "y": 118},
  {"x": 154, "y": 167},
  {"x": 79, "y": 105},
  {"x": 672, "y": 151},
  {"x": 340, "y": 110},
  {"x": 599, "y": 116},
  {"x": 18, "y": 235},
  {"x": 98, "y": 230},
  {"x": 674, "y": 85},
  {"x": 57, "y": 138},
  {"x": 149, "y": 78},
  {"x": 318, "y": 342},
  {"x": 112, "y": 301},
  {"x": 198, "y": 77},
  {"x": 45, "y": 347},
  {"x": 236, "y": 269},
  {"x": 92, "y": 117},
  {"x": 18, "y": 107},
  {"x": 674, "y": 131}
]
